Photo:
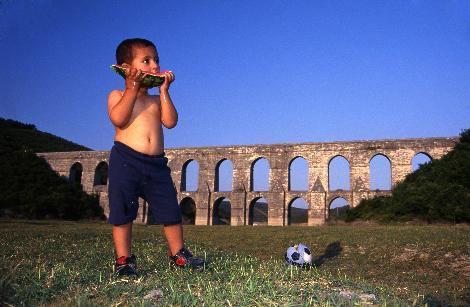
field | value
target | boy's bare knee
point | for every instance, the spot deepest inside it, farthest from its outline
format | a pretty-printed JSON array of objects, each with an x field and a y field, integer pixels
[
  {"x": 122, "y": 229},
  {"x": 171, "y": 225}
]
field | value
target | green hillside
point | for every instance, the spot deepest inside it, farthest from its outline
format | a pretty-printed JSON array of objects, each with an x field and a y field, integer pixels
[
  {"x": 15, "y": 135},
  {"x": 438, "y": 191},
  {"x": 29, "y": 188}
]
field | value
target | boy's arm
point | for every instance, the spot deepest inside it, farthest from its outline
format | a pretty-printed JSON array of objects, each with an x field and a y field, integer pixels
[
  {"x": 169, "y": 115},
  {"x": 120, "y": 105}
]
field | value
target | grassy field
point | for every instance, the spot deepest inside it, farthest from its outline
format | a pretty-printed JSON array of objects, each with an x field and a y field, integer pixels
[{"x": 50, "y": 262}]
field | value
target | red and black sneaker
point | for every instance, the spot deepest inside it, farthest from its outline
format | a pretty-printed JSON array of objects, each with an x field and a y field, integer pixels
[
  {"x": 184, "y": 258},
  {"x": 125, "y": 266}
]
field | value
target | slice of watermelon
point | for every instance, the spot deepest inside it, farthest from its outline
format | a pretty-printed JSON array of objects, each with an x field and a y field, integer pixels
[{"x": 150, "y": 80}]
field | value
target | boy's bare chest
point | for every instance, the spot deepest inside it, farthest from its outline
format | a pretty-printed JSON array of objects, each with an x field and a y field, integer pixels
[{"x": 146, "y": 108}]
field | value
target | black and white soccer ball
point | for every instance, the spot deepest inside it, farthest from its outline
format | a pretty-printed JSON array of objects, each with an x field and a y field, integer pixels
[{"x": 299, "y": 255}]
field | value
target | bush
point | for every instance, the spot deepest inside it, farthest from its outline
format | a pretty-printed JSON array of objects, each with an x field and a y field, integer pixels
[
  {"x": 437, "y": 191},
  {"x": 31, "y": 189}
]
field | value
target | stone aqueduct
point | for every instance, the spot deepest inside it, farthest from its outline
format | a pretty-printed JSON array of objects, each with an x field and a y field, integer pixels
[{"x": 399, "y": 152}]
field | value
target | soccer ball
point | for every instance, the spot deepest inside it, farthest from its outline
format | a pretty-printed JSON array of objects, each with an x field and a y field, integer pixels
[{"x": 298, "y": 255}]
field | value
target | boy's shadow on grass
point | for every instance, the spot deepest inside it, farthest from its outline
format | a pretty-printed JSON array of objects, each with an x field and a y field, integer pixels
[{"x": 331, "y": 251}]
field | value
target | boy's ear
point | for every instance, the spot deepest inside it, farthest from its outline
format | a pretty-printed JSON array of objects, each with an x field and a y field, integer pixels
[{"x": 125, "y": 65}]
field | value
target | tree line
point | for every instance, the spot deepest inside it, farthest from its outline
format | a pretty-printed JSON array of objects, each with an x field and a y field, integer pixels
[{"x": 29, "y": 188}]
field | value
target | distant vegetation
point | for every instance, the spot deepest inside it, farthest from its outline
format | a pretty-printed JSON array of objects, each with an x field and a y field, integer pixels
[
  {"x": 338, "y": 213},
  {"x": 16, "y": 136},
  {"x": 438, "y": 191},
  {"x": 29, "y": 188}
]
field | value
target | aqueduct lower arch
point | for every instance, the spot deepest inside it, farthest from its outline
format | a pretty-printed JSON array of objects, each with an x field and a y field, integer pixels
[{"x": 400, "y": 152}]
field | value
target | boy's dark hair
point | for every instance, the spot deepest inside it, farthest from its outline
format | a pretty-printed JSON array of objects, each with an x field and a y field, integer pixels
[{"x": 124, "y": 49}]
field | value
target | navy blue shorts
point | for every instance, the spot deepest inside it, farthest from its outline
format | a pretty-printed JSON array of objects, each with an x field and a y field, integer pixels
[{"x": 132, "y": 175}]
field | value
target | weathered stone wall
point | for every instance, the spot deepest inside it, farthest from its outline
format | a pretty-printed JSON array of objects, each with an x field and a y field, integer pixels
[{"x": 318, "y": 155}]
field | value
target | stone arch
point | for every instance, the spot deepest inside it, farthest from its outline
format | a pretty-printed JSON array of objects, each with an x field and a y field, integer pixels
[
  {"x": 75, "y": 173},
  {"x": 335, "y": 181},
  {"x": 258, "y": 212},
  {"x": 298, "y": 174},
  {"x": 420, "y": 158},
  {"x": 257, "y": 186},
  {"x": 337, "y": 207},
  {"x": 194, "y": 176},
  {"x": 101, "y": 174},
  {"x": 380, "y": 172},
  {"x": 221, "y": 212},
  {"x": 188, "y": 211},
  {"x": 224, "y": 184},
  {"x": 297, "y": 212}
]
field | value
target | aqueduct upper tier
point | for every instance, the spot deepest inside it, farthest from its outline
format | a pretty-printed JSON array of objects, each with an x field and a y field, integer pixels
[{"x": 90, "y": 169}]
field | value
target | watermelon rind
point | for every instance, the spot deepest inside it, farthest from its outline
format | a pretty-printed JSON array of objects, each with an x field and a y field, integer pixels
[{"x": 150, "y": 80}]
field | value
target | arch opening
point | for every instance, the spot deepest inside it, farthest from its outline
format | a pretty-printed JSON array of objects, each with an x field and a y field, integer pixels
[
  {"x": 258, "y": 213},
  {"x": 338, "y": 209},
  {"x": 420, "y": 159},
  {"x": 190, "y": 176},
  {"x": 223, "y": 176},
  {"x": 259, "y": 175},
  {"x": 339, "y": 174},
  {"x": 221, "y": 212},
  {"x": 75, "y": 174},
  {"x": 101, "y": 174},
  {"x": 298, "y": 212},
  {"x": 188, "y": 211},
  {"x": 298, "y": 175},
  {"x": 380, "y": 170}
]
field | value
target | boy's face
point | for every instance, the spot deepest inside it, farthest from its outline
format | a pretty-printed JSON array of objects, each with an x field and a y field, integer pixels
[{"x": 145, "y": 59}]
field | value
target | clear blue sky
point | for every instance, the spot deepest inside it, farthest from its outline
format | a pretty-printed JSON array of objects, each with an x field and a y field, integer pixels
[{"x": 247, "y": 72}]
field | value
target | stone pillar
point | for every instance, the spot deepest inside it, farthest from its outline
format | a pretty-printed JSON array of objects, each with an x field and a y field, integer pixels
[
  {"x": 202, "y": 208},
  {"x": 142, "y": 213},
  {"x": 318, "y": 180},
  {"x": 241, "y": 185},
  {"x": 399, "y": 172},
  {"x": 176, "y": 174},
  {"x": 279, "y": 173},
  {"x": 278, "y": 177},
  {"x": 287, "y": 198},
  {"x": 203, "y": 196},
  {"x": 317, "y": 210},
  {"x": 360, "y": 178},
  {"x": 357, "y": 196},
  {"x": 318, "y": 170},
  {"x": 238, "y": 208},
  {"x": 104, "y": 202},
  {"x": 88, "y": 176},
  {"x": 275, "y": 208},
  {"x": 317, "y": 201},
  {"x": 401, "y": 165},
  {"x": 210, "y": 208},
  {"x": 241, "y": 175},
  {"x": 206, "y": 176}
]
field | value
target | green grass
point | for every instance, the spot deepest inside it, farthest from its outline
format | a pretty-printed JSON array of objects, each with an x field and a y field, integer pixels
[{"x": 50, "y": 262}]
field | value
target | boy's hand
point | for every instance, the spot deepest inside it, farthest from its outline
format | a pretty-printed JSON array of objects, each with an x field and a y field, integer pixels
[
  {"x": 133, "y": 78},
  {"x": 169, "y": 78}
]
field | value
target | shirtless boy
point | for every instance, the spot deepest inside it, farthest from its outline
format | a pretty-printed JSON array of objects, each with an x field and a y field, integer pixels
[{"x": 138, "y": 166}]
